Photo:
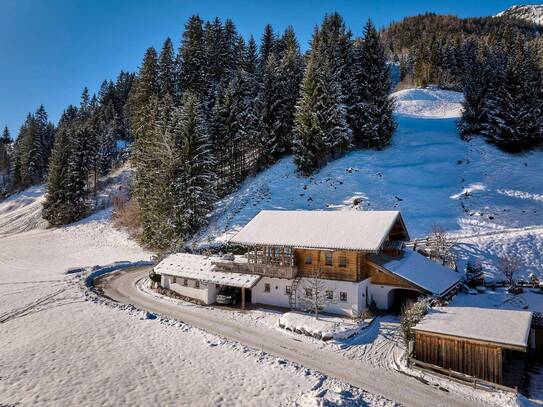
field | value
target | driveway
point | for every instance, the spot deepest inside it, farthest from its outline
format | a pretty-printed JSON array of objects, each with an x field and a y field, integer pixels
[{"x": 121, "y": 287}]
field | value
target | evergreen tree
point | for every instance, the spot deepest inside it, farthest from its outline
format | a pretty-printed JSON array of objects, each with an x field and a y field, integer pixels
[
  {"x": 321, "y": 118},
  {"x": 515, "y": 108},
  {"x": 289, "y": 77},
  {"x": 191, "y": 63},
  {"x": 371, "y": 107},
  {"x": 143, "y": 92},
  {"x": 269, "y": 100},
  {"x": 5, "y": 161},
  {"x": 335, "y": 46},
  {"x": 309, "y": 145},
  {"x": 267, "y": 48},
  {"x": 166, "y": 70},
  {"x": 194, "y": 184},
  {"x": 477, "y": 86},
  {"x": 67, "y": 182}
]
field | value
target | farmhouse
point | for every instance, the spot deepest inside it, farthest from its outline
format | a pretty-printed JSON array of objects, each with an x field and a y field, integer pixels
[
  {"x": 472, "y": 341},
  {"x": 358, "y": 257}
]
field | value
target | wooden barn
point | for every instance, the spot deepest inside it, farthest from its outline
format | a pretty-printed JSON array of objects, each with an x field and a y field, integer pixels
[{"x": 474, "y": 341}]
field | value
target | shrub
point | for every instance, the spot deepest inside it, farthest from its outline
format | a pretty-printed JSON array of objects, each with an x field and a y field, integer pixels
[
  {"x": 412, "y": 314},
  {"x": 127, "y": 214}
]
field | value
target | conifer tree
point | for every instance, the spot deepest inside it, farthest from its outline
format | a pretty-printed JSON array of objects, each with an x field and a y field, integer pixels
[
  {"x": 371, "y": 107},
  {"x": 267, "y": 48},
  {"x": 194, "y": 184},
  {"x": 309, "y": 147},
  {"x": 191, "y": 62},
  {"x": 166, "y": 69},
  {"x": 67, "y": 183},
  {"x": 289, "y": 77},
  {"x": 145, "y": 88},
  {"x": 477, "y": 84},
  {"x": 321, "y": 117},
  {"x": 5, "y": 161},
  {"x": 515, "y": 108},
  {"x": 269, "y": 99}
]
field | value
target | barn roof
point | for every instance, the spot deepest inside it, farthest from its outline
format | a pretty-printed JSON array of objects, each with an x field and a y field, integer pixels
[
  {"x": 339, "y": 230},
  {"x": 507, "y": 328},
  {"x": 201, "y": 268},
  {"x": 419, "y": 270}
]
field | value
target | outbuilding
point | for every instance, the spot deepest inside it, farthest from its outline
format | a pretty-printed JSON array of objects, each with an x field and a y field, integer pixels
[
  {"x": 473, "y": 341},
  {"x": 196, "y": 277}
]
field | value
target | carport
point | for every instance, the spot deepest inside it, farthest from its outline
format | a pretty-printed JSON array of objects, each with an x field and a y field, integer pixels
[{"x": 196, "y": 277}]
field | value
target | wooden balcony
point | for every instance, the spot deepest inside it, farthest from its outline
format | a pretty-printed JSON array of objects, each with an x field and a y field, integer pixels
[{"x": 275, "y": 270}]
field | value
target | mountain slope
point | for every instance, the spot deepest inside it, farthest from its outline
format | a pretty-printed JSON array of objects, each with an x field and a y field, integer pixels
[
  {"x": 532, "y": 13},
  {"x": 429, "y": 173}
]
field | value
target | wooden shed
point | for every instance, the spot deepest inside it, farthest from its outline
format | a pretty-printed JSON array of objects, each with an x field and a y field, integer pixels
[{"x": 471, "y": 340}]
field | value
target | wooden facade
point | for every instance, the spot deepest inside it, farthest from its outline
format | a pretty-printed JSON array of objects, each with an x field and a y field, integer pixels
[
  {"x": 334, "y": 265},
  {"x": 474, "y": 358},
  {"x": 381, "y": 276}
]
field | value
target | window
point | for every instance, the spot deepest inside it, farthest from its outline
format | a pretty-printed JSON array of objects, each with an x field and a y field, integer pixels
[
  {"x": 343, "y": 261},
  {"x": 173, "y": 279},
  {"x": 266, "y": 288},
  {"x": 185, "y": 282},
  {"x": 197, "y": 284},
  {"x": 329, "y": 295},
  {"x": 343, "y": 296},
  {"x": 288, "y": 290},
  {"x": 308, "y": 259},
  {"x": 328, "y": 258},
  {"x": 308, "y": 292}
]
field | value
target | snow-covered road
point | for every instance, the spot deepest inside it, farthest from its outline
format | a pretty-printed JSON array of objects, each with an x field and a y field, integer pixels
[{"x": 122, "y": 287}]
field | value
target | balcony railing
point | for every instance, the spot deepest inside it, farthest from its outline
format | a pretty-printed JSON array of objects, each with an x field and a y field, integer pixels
[{"x": 261, "y": 269}]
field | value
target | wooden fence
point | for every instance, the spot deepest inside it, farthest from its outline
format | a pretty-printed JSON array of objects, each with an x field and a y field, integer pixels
[{"x": 459, "y": 377}]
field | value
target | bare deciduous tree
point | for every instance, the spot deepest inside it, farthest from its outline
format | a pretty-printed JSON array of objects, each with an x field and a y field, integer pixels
[
  {"x": 440, "y": 246},
  {"x": 509, "y": 266},
  {"x": 313, "y": 294}
]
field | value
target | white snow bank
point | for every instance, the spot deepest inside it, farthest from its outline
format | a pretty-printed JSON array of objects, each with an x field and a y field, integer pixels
[
  {"x": 325, "y": 328},
  {"x": 429, "y": 103}
]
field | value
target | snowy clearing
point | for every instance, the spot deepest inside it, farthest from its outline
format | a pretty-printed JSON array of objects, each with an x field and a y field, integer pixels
[{"x": 429, "y": 103}]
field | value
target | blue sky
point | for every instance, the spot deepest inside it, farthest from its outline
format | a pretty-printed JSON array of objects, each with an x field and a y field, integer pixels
[{"x": 50, "y": 50}]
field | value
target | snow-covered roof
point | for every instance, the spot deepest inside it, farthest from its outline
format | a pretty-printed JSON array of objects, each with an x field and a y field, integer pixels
[
  {"x": 485, "y": 324},
  {"x": 196, "y": 267},
  {"x": 419, "y": 270},
  {"x": 340, "y": 230}
]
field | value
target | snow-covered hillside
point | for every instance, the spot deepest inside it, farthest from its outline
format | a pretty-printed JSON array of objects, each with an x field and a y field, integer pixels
[
  {"x": 493, "y": 201},
  {"x": 531, "y": 12},
  {"x": 59, "y": 348}
]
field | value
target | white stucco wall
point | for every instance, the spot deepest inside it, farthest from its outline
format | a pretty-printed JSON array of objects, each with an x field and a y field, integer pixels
[
  {"x": 276, "y": 296},
  {"x": 356, "y": 294},
  {"x": 381, "y": 295},
  {"x": 206, "y": 293}
]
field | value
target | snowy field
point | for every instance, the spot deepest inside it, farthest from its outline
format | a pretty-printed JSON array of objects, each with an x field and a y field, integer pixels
[
  {"x": 491, "y": 201},
  {"x": 58, "y": 348}
]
